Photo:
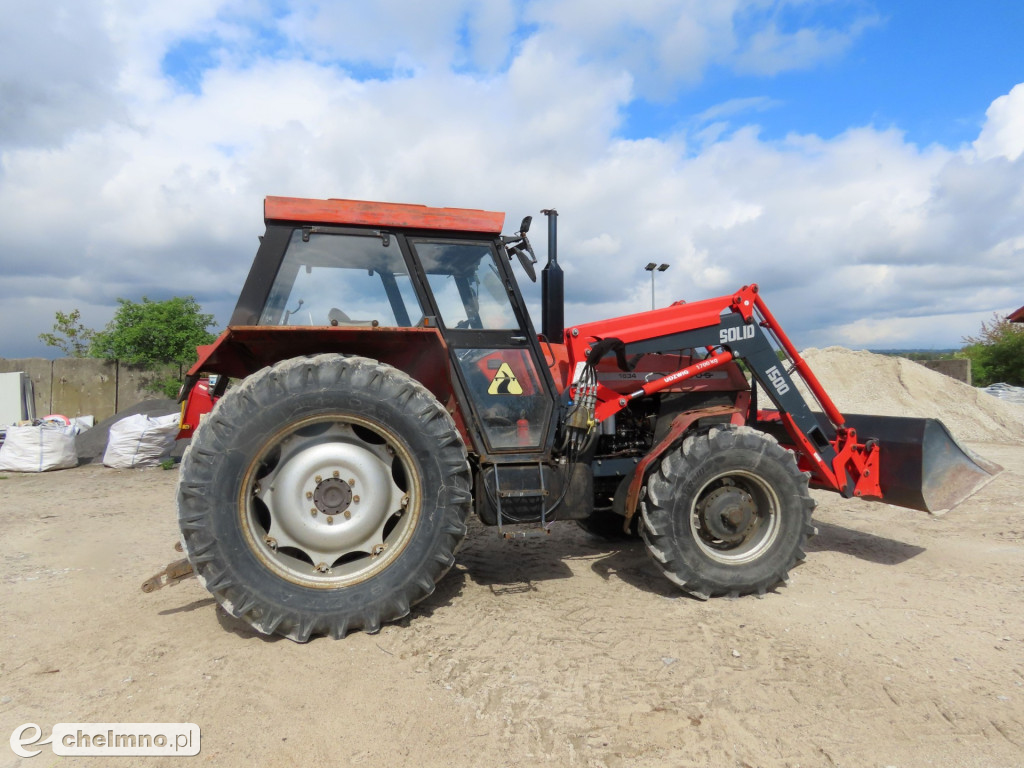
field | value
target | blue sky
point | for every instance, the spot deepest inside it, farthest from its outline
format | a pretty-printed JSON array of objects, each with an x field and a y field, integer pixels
[
  {"x": 860, "y": 159},
  {"x": 928, "y": 69}
]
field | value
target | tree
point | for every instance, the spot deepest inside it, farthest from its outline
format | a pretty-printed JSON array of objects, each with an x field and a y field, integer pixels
[
  {"x": 996, "y": 353},
  {"x": 155, "y": 333},
  {"x": 69, "y": 335}
]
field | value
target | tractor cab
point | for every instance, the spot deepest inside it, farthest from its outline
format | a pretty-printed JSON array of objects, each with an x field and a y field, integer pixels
[{"x": 399, "y": 283}]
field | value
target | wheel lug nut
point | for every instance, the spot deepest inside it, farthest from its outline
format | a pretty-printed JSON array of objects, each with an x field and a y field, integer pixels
[
  {"x": 313, "y": 511},
  {"x": 348, "y": 515},
  {"x": 330, "y": 520},
  {"x": 309, "y": 495},
  {"x": 318, "y": 479},
  {"x": 336, "y": 473},
  {"x": 355, "y": 499},
  {"x": 351, "y": 481}
]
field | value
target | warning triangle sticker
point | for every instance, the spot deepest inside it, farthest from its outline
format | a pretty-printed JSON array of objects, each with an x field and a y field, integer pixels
[{"x": 505, "y": 382}]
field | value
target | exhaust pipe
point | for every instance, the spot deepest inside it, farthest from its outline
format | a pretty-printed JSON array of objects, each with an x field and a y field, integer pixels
[{"x": 552, "y": 286}]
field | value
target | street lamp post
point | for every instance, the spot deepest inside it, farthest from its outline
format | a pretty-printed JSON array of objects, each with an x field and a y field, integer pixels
[{"x": 652, "y": 267}]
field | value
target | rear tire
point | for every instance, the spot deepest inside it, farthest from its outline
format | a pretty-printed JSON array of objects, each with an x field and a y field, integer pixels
[
  {"x": 727, "y": 513},
  {"x": 322, "y": 495}
]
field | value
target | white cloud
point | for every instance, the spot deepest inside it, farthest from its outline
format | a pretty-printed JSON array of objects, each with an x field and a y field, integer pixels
[
  {"x": 735, "y": 107},
  {"x": 1003, "y": 134},
  {"x": 397, "y": 34},
  {"x": 772, "y": 50}
]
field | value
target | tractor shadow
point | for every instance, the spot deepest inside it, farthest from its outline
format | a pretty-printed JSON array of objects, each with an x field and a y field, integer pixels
[
  {"x": 520, "y": 565},
  {"x": 863, "y": 546},
  {"x": 195, "y": 605},
  {"x": 627, "y": 560},
  {"x": 445, "y": 594},
  {"x": 510, "y": 566}
]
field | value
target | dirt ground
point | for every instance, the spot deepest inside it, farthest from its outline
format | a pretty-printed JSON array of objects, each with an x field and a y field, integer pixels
[{"x": 899, "y": 642}]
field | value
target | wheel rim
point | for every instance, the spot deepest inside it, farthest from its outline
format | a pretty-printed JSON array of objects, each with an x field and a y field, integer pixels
[
  {"x": 330, "y": 501},
  {"x": 735, "y": 518}
]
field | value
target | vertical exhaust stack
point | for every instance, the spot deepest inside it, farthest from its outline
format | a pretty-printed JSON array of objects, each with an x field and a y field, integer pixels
[{"x": 552, "y": 286}]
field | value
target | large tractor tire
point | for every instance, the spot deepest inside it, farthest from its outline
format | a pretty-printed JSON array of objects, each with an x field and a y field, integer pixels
[
  {"x": 323, "y": 495},
  {"x": 727, "y": 513}
]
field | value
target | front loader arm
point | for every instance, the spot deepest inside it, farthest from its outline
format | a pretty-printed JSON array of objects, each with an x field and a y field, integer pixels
[{"x": 740, "y": 327}]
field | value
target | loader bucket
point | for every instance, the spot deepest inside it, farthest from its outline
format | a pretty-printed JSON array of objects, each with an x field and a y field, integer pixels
[{"x": 921, "y": 465}]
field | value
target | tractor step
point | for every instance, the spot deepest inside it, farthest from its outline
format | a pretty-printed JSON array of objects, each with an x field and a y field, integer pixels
[{"x": 515, "y": 479}]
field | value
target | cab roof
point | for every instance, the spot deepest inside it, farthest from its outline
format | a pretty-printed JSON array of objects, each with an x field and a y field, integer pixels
[{"x": 366, "y": 213}]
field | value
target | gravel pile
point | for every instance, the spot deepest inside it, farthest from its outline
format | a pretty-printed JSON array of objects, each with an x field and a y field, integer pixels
[{"x": 863, "y": 382}]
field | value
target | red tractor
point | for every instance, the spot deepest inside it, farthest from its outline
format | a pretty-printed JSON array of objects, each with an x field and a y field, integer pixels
[{"x": 388, "y": 381}]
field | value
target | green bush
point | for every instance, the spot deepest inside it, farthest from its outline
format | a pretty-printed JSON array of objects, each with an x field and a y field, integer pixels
[
  {"x": 996, "y": 353},
  {"x": 152, "y": 333}
]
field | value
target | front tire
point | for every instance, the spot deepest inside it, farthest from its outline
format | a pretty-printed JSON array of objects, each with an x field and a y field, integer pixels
[
  {"x": 727, "y": 513},
  {"x": 324, "y": 494}
]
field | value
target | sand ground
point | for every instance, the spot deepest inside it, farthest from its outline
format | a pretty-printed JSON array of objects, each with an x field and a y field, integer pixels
[{"x": 899, "y": 642}]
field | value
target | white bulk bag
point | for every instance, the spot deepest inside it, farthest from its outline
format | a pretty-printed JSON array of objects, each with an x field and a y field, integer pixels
[
  {"x": 140, "y": 441},
  {"x": 38, "y": 449}
]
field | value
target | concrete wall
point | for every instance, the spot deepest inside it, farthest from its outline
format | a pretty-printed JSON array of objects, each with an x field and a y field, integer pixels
[
  {"x": 85, "y": 386},
  {"x": 133, "y": 383},
  {"x": 955, "y": 369}
]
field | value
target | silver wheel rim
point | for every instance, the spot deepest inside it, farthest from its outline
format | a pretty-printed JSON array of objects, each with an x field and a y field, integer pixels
[
  {"x": 735, "y": 518},
  {"x": 330, "y": 501}
]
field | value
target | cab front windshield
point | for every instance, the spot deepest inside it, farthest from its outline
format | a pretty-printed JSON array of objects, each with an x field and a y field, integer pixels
[{"x": 466, "y": 284}]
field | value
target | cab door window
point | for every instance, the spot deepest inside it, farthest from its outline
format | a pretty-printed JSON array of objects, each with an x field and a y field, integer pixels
[{"x": 509, "y": 395}]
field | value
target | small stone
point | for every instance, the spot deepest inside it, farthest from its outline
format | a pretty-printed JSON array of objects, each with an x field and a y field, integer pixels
[{"x": 735, "y": 653}]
